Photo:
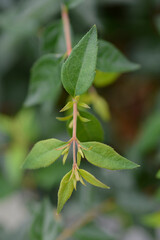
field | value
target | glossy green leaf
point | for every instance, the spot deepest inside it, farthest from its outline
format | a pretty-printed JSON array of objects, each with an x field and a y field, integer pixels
[
  {"x": 91, "y": 179},
  {"x": 110, "y": 59},
  {"x": 104, "y": 79},
  {"x": 65, "y": 190},
  {"x": 45, "y": 80},
  {"x": 88, "y": 131},
  {"x": 44, "y": 153},
  {"x": 104, "y": 156},
  {"x": 79, "y": 69},
  {"x": 53, "y": 40}
]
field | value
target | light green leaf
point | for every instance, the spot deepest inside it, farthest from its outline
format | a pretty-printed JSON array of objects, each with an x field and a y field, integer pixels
[
  {"x": 44, "y": 153},
  {"x": 158, "y": 174},
  {"x": 79, "y": 69},
  {"x": 65, "y": 190},
  {"x": 152, "y": 220},
  {"x": 100, "y": 106},
  {"x": 53, "y": 40},
  {"x": 104, "y": 156},
  {"x": 104, "y": 79},
  {"x": 67, "y": 106},
  {"x": 87, "y": 131},
  {"x": 110, "y": 59},
  {"x": 91, "y": 179},
  {"x": 64, "y": 118},
  {"x": 45, "y": 80}
]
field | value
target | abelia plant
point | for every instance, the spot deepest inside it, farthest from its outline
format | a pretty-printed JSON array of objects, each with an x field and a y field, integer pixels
[{"x": 88, "y": 60}]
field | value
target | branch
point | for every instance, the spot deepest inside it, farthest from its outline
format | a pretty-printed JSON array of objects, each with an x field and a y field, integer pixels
[{"x": 105, "y": 206}]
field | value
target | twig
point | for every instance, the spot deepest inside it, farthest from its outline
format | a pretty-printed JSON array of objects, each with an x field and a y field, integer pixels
[{"x": 105, "y": 206}]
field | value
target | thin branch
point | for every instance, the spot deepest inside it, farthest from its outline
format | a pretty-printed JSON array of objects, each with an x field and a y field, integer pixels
[
  {"x": 68, "y": 232},
  {"x": 66, "y": 25}
]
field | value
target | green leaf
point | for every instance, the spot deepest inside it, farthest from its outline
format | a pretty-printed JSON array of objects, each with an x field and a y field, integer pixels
[
  {"x": 45, "y": 80},
  {"x": 158, "y": 174},
  {"x": 88, "y": 131},
  {"x": 49, "y": 177},
  {"x": 53, "y": 40},
  {"x": 110, "y": 59},
  {"x": 67, "y": 106},
  {"x": 104, "y": 156},
  {"x": 91, "y": 179},
  {"x": 152, "y": 220},
  {"x": 65, "y": 190},
  {"x": 44, "y": 153},
  {"x": 104, "y": 79},
  {"x": 44, "y": 223},
  {"x": 79, "y": 69},
  {"x": 72, "y": 3},
  {"x": 100, "y": 106}
]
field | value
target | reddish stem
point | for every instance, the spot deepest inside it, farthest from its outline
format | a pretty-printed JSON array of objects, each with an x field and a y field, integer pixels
[
  {"x": 74, "y": 131},
  {"x": 66, "y": 25}
]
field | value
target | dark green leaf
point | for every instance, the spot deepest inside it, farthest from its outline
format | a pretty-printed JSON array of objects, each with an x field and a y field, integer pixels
[
  {"x": 79, "y": 69},
  {"x": 49, "y": 177},
  {"x": 44, "y": 153},
  {"x": 110, "y": 59},
  {"x": 65, "y": 190},
  {"x": 53, "y": 40},
  {"x": 104, "y": 156},
  {"x": 91, "y": 179},
  {"x": 45, "y": 80},
  {"x": 72, "y": 3},
  {"x": 88, "y": 131}
]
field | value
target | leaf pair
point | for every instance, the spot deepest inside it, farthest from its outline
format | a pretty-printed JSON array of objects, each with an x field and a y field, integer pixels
[{"x": 67, "y": 186}]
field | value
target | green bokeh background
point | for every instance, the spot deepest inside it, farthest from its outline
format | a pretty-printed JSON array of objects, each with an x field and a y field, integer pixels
[{"x": 132, "y": 205}]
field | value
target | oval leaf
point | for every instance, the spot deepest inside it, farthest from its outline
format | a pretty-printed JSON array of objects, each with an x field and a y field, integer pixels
[
  {"x": 104, "y": 156},
  {"x": 65, "y": 191},
  {"x": 44, "y": 153},
  {"x": 45, "y": 80},
  {"x": 79, "y": 69},
  {"x": 88, "y": 131},
  {"x": 91, "y": 179},
  {"x": 110, "y": 59}
]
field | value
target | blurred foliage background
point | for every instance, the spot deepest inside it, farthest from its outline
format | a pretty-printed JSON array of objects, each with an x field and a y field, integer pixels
[{"x": 131, "y": 209}]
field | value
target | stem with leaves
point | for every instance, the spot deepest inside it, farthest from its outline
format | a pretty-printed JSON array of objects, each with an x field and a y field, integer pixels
[{"x": 77, "y": 74}]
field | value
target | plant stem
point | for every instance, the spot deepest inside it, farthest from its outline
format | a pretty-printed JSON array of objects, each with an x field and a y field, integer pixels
[
  {"x": 103, "y": 207},
  {"x": 66, "y": 25},
  {"x": 74, "y": 131}
]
